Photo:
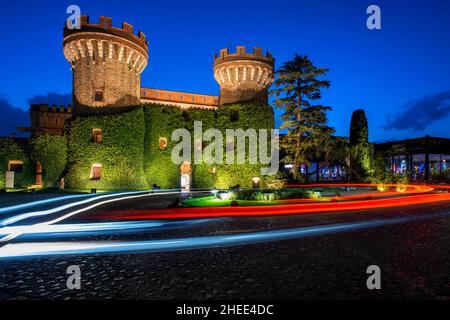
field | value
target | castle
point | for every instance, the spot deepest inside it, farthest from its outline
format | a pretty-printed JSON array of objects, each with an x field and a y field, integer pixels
[{"x": 118, "y": 133}]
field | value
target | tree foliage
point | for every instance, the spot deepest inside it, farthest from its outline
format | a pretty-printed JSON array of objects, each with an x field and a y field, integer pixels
[
  {"x": 360, "y": 148},
  {"x": 298, "y": 86}
]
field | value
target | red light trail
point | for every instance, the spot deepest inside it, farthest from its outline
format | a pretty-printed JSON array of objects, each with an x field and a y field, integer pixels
[{"x": 352, "y": 203}]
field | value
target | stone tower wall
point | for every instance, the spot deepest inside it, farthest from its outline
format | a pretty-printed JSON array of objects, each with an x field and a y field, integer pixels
[
  {"x": 49, "y": 119},
  {"x": 107, "y": 63},
  {"x": 243, "y": 76}
]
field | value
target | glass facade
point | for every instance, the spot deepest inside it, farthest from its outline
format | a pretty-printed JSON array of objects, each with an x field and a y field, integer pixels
[{"x": 422, "y": 159}]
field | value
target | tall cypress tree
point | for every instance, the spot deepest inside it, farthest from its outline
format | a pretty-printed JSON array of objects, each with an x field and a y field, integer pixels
[
  {"x": 297, "y": 87},
  {"x": 360, "y": 151}
]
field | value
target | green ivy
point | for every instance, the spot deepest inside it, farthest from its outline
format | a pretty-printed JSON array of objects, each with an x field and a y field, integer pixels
[
  {"x": 10, "y": 149},
  {"x": 51, "y": 151},
  {"x": 120, "y": 152},
  {"x": 130, "y": 152},
  {"x": 250, "y": 116}
]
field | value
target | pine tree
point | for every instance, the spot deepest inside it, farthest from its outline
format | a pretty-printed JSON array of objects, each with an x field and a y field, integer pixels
[{"x": 297, "y": 87}]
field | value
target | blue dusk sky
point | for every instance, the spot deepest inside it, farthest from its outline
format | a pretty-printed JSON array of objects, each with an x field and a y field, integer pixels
[{"x": 400, "y": 74}]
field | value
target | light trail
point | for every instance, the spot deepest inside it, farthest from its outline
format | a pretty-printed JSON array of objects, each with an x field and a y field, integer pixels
[
  {"x": 284, "y": 209},
  {"x": 38, "y": 226},
  {"x": 27, "y": 250},
  {"x": 32, "y": 204},
  {"x": 103, "y": 228},
  {"x": 417, "y": 187},
  {"x": 24, "y": 216}
]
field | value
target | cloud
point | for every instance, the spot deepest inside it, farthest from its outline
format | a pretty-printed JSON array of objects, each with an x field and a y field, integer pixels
[
  {"x": 52, "y": 98},
  {"x": 418, "y": 114},
  {"x": 12, "y": 117}
]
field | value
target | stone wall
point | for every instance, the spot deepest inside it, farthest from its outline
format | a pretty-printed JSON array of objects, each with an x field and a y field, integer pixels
[
  {"x": 243, "y": 76},
  {"x": 107, "y": 63},
  {"x": 49, "y": 119}
]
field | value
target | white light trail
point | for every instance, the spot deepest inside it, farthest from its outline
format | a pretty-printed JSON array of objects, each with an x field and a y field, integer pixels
[
  {"x": 22, "y": 250},
  {"x": 39, "y": 226}
]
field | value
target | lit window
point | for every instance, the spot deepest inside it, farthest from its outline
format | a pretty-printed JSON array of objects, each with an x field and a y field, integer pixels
[
  {"x": 97, "y": 135},
  {"x": 96, "y": 172},
  {"x": 162, "y": 143},
  {"x": 15, "y": 165},
  {"x": 98, "y": 96}
]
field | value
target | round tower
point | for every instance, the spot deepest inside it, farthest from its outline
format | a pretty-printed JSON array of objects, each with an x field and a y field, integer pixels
[
  {"x": 107, "y": 63},
  {"x": 243, "y": 76}
]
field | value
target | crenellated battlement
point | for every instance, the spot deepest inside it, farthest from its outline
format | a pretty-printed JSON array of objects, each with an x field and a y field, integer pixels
[
  {"x": 105, "y": 26},
  {"x": 107, "y": 63},
  {"x": 52, "y": 108},
  {"x": 243, "y": 76},
  {"x": 241, "y": 54},
  {"x": 99, "y": 42},
  {"x": 49, "y": 118}
]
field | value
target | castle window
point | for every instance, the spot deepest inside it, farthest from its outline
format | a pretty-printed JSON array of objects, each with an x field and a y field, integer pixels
[
  {"x": 15, "y": 165},
  {"x": 96, "y": 172},
  {"x": 162, "y": 143},
  {"x": 97, "y": 135},
  {"x": 234, "y": 115},
  {"x": 98, "y": 96}
]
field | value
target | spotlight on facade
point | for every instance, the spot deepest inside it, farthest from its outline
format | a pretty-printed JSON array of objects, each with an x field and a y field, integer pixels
[{"x": 256, "y": 182}]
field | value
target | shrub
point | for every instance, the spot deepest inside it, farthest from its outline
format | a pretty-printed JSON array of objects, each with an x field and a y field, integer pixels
[{"x": 270, "y": 195}]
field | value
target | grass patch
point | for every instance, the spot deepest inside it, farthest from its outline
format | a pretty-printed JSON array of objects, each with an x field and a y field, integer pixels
[{"x": 212, "y": 201}]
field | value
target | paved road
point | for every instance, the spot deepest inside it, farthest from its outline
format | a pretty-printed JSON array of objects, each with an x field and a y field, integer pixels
[{"x": 414, "y": 259}]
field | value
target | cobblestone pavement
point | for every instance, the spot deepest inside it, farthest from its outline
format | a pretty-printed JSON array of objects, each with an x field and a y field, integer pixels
[{"x": 414, "y": 259}]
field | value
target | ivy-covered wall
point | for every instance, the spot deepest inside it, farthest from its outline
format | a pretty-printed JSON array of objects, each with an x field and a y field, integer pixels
[
  {"x": 120, "y": 153},
  {"x": 11, "y": 149},
  {"x": 130, "y": 153},
  {"x": 51, "y": 151},
  {"x": 252, "y": 115},
  {"x": 132, "y": 156},
  {"x": 161, "y": 121}
]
